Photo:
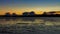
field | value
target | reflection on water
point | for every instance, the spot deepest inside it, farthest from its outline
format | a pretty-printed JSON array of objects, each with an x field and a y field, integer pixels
[
  {"x": 31, "y": 20},
  {"x": 30, "y": 25}
]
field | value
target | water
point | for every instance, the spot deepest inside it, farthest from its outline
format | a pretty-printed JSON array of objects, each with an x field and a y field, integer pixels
[{"x": 30, "y": 25}]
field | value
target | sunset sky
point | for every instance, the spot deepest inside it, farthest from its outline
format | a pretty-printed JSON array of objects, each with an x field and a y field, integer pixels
[{"x": 20, "y": 6}]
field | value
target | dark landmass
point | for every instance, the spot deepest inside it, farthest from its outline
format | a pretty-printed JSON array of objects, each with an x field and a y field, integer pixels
[{"x": 31, "y": 16}]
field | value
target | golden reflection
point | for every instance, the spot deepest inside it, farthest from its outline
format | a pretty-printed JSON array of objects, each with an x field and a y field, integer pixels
[{"x": 29, "y": 21}]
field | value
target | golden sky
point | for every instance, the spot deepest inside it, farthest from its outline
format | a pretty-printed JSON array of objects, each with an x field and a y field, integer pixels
[{"x": 19, "y": 11}]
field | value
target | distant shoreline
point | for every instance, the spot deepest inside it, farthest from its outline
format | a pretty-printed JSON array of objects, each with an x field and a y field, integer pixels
[{"x": 32, "y": 16}]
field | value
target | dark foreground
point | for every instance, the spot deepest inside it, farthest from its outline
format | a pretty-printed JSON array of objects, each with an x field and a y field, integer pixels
[{"x": 32, "y": 29}]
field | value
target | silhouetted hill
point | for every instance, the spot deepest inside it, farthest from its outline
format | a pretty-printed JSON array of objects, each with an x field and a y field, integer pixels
[{"x": 31, "y": 14}]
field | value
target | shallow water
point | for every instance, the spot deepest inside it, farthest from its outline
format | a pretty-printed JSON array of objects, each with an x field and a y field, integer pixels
[{"x": 30, "y": 25}]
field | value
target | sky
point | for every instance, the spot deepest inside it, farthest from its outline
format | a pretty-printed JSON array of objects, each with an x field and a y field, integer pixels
[{"x": 20, "y": 6}]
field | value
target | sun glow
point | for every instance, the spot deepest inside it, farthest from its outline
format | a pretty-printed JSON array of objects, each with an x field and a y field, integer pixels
[{"x": 19, "y": 11}]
